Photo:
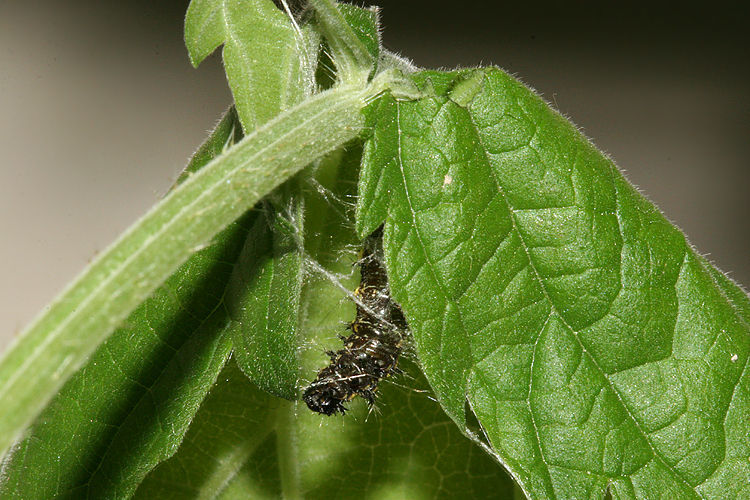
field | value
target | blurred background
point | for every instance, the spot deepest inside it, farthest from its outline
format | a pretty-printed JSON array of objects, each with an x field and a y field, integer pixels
[{"x": 100, "y": 109}]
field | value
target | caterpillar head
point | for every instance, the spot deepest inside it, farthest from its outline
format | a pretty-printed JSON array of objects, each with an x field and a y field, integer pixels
[{"x": 324, "y": 397}]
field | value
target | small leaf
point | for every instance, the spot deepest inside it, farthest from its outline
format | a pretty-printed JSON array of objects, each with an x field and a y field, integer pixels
[
  {"x": 204, "y": 29},
  {"x": 365, "y": 22},
  {"x": 263, "y": 296},
  {"x": 596, "y": 349},
  {"x": 364, "y": 25},
  {"x": 269, "y": 61}
]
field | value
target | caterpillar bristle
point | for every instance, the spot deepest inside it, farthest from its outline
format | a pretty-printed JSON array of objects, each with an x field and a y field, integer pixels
[{"x": 371, "y": 351}]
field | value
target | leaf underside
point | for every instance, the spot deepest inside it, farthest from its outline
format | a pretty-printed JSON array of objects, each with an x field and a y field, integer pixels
[
  {"x": 595, "y": 347},
  {"x": 244, "y": 443}
]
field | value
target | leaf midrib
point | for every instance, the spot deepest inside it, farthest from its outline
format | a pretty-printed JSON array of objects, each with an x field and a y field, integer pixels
[
  {"x": 553, "y": 308},
  {"x": 554, "y": 311},
  {"x": 435, "y": 276}
]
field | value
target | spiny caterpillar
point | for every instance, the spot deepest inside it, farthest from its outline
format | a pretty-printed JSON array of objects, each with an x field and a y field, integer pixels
[{"x": 371, "y": 352}]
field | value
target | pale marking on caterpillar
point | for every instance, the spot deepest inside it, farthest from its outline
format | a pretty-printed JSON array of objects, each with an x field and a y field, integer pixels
[{"x": 371, "y": 352}]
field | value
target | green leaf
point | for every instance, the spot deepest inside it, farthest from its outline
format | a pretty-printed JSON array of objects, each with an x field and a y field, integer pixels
[
  {"x": 349, "y": 33},
  {"x": 233, "y": 423},
  {"x": 270, "y": 61},
  {"x": 270, "y": 64},
  {"x": 365, "y": 23},
  {"x": 596, "y": 349},
  {"x": 204, "y": 29},
  {"x": 127, "y": 409},
  {"x": 244, "y": 443},
  {"x": 264, "y": 296},
  {"x": 56, "y": 345}
]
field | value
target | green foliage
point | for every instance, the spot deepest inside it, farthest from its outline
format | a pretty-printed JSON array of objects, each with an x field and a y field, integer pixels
[
  {"x": 107, "y": 426},
  {"x": 263, "y": 296},
  {"x": 269, "y": 65},
  {"x": 593, "y": 345},
  {"x": 264, "y": 292},
  {"x": 49, "y": 352},
  {"x": 567, "y": 330},
  {"x": 246, "y": 443},
  {"x": 352, "y": 38}
]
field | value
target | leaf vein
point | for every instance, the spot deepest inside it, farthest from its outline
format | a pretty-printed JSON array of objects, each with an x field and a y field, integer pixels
[{"x": 565, "y": 323}]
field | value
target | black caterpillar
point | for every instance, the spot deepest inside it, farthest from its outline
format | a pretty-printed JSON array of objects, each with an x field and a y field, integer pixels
[{"x": 371, "y": 352}]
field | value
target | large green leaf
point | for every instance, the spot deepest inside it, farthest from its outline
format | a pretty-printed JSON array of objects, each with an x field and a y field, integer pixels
[
  {"x": 596, "y": 349},
  {"x": 245, "y": 444}
]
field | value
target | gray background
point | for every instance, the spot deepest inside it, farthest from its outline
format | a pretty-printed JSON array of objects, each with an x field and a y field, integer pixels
[{"x": 100, "y": 109}]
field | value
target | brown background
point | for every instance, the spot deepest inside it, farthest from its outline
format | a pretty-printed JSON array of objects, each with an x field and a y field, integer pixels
[{"x": 100, "y": 109}]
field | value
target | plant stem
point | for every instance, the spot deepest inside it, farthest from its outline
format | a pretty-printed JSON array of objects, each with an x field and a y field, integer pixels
[
  {"x": 59, "y": 341},
  {"x": 349, "y": 53}
]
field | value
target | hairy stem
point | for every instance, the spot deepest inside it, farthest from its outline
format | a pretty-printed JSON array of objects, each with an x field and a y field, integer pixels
[
  {"x": 349, "y": 53},
  {"x": 58, "y": 342}
]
